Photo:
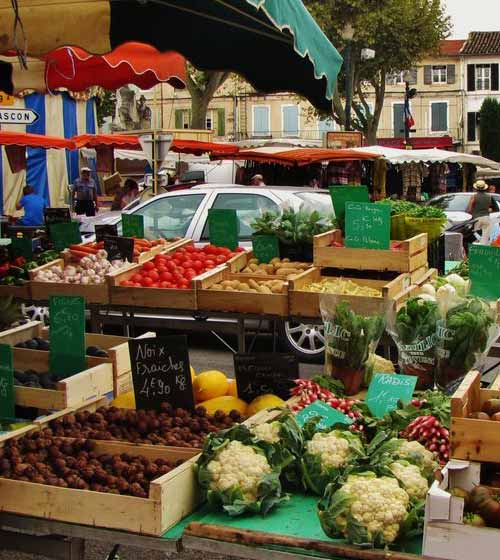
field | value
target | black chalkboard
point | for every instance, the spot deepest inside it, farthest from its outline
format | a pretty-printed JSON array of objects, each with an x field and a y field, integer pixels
[
  {"x": 56, "y": 216},
  {"x": 262, "y": 373},
  {"x": 101, "y": 231},
  {"x": 119, "y": 248},
  {"x": 160, "y": 372}
]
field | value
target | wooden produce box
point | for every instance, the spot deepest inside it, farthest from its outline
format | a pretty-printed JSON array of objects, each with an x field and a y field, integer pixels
[
  {"x": 17, "y": 292},
  {"x": 171, "y": 496},
  {"x": 307, "y": 304},
  {"x": 446, "y": 536},
  {"x": 92, "y": 382},
  {"x": 21, "y": 333},
  {"x": 238, "y": 301},
  {"x": 423, "y": 276},
  {"x": 40, "y": 291},
  {"x": 473, "y": 440},
  {"x": 410, "y": 255}
]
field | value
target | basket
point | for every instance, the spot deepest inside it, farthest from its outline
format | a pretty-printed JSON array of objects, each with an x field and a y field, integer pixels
[
  {"x": 431, "y": 226},
  {"x": 398, "y": 227}
]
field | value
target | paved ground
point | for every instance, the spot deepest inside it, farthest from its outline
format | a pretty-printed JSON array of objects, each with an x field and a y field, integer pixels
[{"x": 206, "y": 352}]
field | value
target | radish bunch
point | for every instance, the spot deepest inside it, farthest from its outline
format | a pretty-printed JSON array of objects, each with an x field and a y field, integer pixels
[
  {"x": 308, "y": 392},
  {"x": 429, "y": 431}
]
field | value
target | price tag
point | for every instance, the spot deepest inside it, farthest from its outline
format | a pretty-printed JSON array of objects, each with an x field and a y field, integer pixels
[
  {"x": 7, "y": 401},
  {"x": 265, "y": 247},
  {"x": 368, "y": 226},
  {"x": 119, "y": 248},
  {"x": 6, "y": 100},
  {"x": 160, "y": 372},
  {"x": 223, "y": 228},
  {"x": 329, "y": 416},
  {"x": 265, "y": 373},
  {"x": 63, "y": 235},
  {"x": 386, "y": 390},
  {"x": 21, "y": 247},
  {"x": 101, "y": 231},
  {"x": 341, "y": 194},
  {"x": 67, "y": 336},
  {"x": 484, "y": 265},
  {"x": 133, "y": 225},
  {"x": 56, "y": 216}
]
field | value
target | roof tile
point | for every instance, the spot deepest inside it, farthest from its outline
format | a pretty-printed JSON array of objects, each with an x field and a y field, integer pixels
[{"x": 482, "y": 43}]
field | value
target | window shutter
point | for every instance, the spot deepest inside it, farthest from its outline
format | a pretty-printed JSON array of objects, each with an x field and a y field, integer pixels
[
  {"x": 427, "y": 75},
  {"x": 450, "y": 74},
  {"x": 290, "y": 120},
  {"x": 494, "y": 77},
  {"x": 413, "y": 76},
  {"x": 399, "y": 120},
  {"x": 439, "y": 117},
  {"x": 471, "y": 77},
  {"x": 190, "y": 118},
  {"x": 221, "y": 122},
  {"x": 471, "y": 127},
  {"x": 178, "y": 118}
]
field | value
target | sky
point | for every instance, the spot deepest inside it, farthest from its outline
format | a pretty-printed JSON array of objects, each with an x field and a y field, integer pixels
[{"x": 478, "y": 15}]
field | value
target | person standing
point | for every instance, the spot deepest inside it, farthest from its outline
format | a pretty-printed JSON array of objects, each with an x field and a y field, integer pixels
[
  {"x": 85, "y": 192},
  {"x": 33, "y": 205},
  {"x": 480, "y": 206}
]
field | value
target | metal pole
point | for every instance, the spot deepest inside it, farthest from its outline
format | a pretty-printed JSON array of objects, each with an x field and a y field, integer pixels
[
  {"x": 153, "y": 136},
  {"x": 405, "y": 119},
  {"x": 348, "y": 84}
]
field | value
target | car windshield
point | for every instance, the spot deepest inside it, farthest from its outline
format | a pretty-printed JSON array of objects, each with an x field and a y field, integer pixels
[
  {"x": 321, "y": 202},
  {"x": 451, "y": 203}
]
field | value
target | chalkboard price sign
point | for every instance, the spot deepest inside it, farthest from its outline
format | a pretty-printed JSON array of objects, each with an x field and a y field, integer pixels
[
  {"x": 119, "y": 248},
  {"x": 484, "y": 261},
  {"x": 56, "y": 216},
  {"x": 223, "y": 228},
  {"x": 368, "y": 226},
  {"x": 7, "y": 405},
  {"x": 160, "y": 372},
  {"x": 133, "y": 225},
  {"x": 342, "y": 194},
  {"x": 263, "y": 373},
  {"x": 265, "y": 247},
  {"x": 101, "y": 231},
  {"x": 22, "y": 247},
  {"x": 65, "y": 234}
]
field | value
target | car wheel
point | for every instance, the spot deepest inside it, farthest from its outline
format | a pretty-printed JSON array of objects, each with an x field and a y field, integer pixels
[
  {"x": 305, "y": 340},
  {"x": 35, "y": 313}
]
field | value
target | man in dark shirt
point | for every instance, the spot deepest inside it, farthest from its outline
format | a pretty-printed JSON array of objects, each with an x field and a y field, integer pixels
[
  {"x": 33, "y": 205},
  {"x": 85, "y": 193}
]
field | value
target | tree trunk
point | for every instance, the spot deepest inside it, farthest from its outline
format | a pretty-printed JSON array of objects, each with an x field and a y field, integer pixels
[
  {"x": 202, "y": 91},
  {"x": 370, "y": 135},
  {"x": 199, "y": 109}
]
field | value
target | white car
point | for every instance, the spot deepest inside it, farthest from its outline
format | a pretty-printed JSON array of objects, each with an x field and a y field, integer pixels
[{"x": 184, "y": 213}]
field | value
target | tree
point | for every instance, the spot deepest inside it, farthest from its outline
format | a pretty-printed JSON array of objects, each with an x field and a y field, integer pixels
[
  {"x": 489, "y": 128},
  {"x": 401, "y": 32},
  {"x": 202, "y": 86},
  {"x": 106, "y": 105}
]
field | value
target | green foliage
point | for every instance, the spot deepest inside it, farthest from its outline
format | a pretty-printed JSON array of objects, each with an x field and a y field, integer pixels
[
  {"x": 489, "y": 129},
  {"x": 106, "y": 105},
  {"x": 416, "y": 320}
]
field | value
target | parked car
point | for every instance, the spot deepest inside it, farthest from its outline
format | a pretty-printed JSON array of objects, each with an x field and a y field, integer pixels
[
  {"x": 185, "y": 214},
  {"x": 455, "y": 207}
]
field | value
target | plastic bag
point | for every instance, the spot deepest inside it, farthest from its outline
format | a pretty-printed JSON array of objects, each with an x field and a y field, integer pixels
[
  {"x": 414, "y": 331},
  {"x": 350, "y": 338},
  {"x": 465, "y": 334}
]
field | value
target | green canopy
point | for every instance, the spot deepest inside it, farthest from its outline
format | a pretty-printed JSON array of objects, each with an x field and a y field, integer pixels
[{"x": 275, "y": 44}]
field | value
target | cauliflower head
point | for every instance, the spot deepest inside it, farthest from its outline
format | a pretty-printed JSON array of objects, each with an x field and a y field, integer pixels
[
  {"x": 415, "y": 452},
  {"x": 366, "y": 509},
  {"x": 411, "y": 478},
  {"x": 269, "y": 432},
  {"x": 238, "y": 466},
  {"x": 332, "y": 448}
]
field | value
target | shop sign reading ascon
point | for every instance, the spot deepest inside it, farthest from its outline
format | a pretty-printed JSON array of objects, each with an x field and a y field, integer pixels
[{"x": 14, "y": 115}]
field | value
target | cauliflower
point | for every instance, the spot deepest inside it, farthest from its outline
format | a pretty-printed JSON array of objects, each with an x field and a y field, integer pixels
[
  {"x": 411, "y": 478},
  {"x": 238, "y": 465},
  {"x": 416, "y": 453},
  {"x": 327, "y": 455},
  {"x": 366, "y": 509},
  {"x": 267, "y": 432}
]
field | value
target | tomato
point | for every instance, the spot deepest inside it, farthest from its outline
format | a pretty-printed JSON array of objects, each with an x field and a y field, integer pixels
[
  {"x": 190, "y": 248},
  {"x": 184, "y": 284},
  {"x": 198, "y": 265},
  {"x": 161, "y": 268},
  {"x": 137, "y": 278},
  {"x": 220, "y": 259},
  {"x": 240, "y": 250},
  {"x": 167, "y": 257},
  {"x": 166, "y": 276},
  {"x": 210, "y": 249},
  {"x": 126, "y": 283},
  {"x": 165, "y": 285},
  {"x": 153, "y": 274},
  {"x": 147, "y": 282},
  {"x": 137, "y": 285},
  {"x": 177, "y": 261},
  {"x": 223, "y": 250},
  {"x": 190, "y": 274},
  {"x": 188, "y": 263},
  {"x": 178, "y": 277},
  {"x": 209, "y": 263},
  {"x": 155, "y": 285},
  {"x": 171, "y": 266},
  {"x": 148, "y": 266}
]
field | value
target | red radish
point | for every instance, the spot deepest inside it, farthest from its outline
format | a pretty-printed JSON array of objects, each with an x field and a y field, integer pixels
[{"x": 428, "y": 431}]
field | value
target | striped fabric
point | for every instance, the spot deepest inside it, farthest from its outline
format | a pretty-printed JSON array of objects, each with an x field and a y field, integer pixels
[{"x": 49, "y": 172}]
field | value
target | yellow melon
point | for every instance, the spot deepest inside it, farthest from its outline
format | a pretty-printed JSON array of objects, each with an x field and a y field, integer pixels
[
  {"x": 127, "y": 400},
  {"x": 226, "y": 404},
  {"x": 232, "y": 388},
  {"x": 209, "y": 385},
  {"x": 263, "y": 402}
]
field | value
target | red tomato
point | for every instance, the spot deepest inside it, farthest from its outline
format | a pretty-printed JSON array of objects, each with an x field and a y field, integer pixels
[
  {"x": 188, "y": 263},
  {"x": 178, "y": 277},
  {"x": 180, "y": 269},
  {"x": 184, "y": 285},
  {"x": 166, "y": 276},
  {"x": 177, "y": 261},
  {"x": 209, "y": 263},
  {"x": 137, "y": 285},
  {"x": 148, "y": 266},
  {"x": 147, "y": 282},
  {"x": 161, "y": 268},
  {"x": 190, "y": 274},
  {"x": 165, "y": 285},
  {"x": 153, "y": 274},
  {"x": 223, "y": 250},
  {"x": 126, "y": 283},
  {"x": 167, "y": 257},
  {"x": 171, "y": 266},
  {"x": 190, "y": 248},
  {"x": 240, "y": 250},
  {"x": 220, "y": 259},
  {"x": 201, "y": 256},
  {"x": 137, "y": 278},
  {"x": 198, "y": 265},
  {"x": 210, "y": 249},
  {"x": 155, "y": 285}
]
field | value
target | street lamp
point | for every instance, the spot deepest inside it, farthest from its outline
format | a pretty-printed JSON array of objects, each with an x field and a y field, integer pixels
[{"x": 348, "y": 35}]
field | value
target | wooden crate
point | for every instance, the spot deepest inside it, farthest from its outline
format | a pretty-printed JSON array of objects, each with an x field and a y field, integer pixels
[
  {"x": 97, "y": 380},
  {"x": 307, "y": 304},
  {"x": 41, "y": 291},
  {"x": 423, "y": 276},
  {"x": 237, "y": 302},
  {"x": 239, "y": 261},
  {"x": 171, "y": 497},
  {"x": 21, "y": 333},
  {"x": 474, "y": 440},
  {"x": 410, "y": 256},
  {"x": 17, "y": 292}
]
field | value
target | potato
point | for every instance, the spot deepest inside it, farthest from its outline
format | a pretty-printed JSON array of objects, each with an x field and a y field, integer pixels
[
  {"x": 253, "y": 284},
  {"x": 260, "y": 272},
  {"x": 253, "y": 261},
  {"x": 217, "y": 287},
  {"x": 229, "y": 289},
  {"x": 247, "y": 270},
  {"x": 253, "y": 266},
  {"x": 277, "y": 288},
  {"x": 275, "y": 261},
  {"x": 227, "y": 283},
  {"x": 287, "y": 271},
  {"x": 496, "y": 417},
  {"x": 244, "y": 287},
  {"x": 265, "y": 290},
  {"x": 269, "y": 268},
  {"x": 479, "y": 416},
  {"x": 287, "y": 260},
  {"x": 252, "y": 290}
]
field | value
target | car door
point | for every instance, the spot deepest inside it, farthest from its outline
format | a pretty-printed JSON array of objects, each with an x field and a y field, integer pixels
[
  {"x": 172, "y": 215},
  {"x": 248, "y": 205}
]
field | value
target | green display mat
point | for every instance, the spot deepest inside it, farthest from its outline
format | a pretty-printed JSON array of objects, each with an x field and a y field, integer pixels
[{"x": 295, "y": 518}]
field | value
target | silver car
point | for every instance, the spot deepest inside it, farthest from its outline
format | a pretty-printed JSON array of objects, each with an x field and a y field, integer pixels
[{"x": 184, "y": 213}]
